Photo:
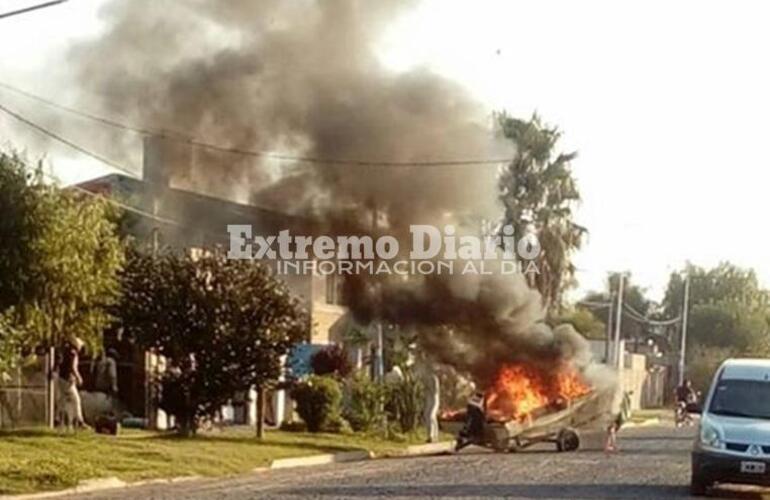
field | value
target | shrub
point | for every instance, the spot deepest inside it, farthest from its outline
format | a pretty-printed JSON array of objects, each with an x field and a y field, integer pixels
[
  {"x": 405, "y": 401},
  {"x": 338, "y": 425},
  {"x": 364, "y": 403},
  {"x": 331, "y": 360},
  {"x": 318, "y": 401}
]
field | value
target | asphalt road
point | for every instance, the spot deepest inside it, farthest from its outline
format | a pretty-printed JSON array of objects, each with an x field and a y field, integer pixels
[{"x": 653, "y": 463}]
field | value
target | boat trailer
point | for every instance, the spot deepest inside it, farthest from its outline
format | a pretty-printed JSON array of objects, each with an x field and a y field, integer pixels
[{"x": 555, "y": 426}]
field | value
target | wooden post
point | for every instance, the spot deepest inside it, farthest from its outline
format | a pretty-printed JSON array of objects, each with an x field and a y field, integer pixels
[{"x": 260, "y": 412}]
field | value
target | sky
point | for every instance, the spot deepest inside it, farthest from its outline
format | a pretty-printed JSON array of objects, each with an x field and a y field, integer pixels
[{"x": 666, "y": 102}]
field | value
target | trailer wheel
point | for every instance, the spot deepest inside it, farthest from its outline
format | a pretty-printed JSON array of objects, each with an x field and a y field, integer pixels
[
  {"x": 567, "y": 440},
  {"x": 515, "y": 446}
]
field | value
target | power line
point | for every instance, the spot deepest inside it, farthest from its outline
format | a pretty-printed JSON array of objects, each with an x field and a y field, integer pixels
[
  {"x": 96, "y": 156},
  {"x": 65, "y": 141},
  {"x": 106, "y": 161},
  {"x": 30, "y": 9},
  {"x": 181, "y": 137},
  {"x": 634, "y": 314},
  {"x": 82, "y": 114}
]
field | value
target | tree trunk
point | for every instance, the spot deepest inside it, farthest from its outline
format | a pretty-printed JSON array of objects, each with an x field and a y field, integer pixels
[{"x": 260, "y": 412}]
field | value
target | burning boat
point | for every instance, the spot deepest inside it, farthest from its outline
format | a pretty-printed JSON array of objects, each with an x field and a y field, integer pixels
[{"x": 526, "y": 405}]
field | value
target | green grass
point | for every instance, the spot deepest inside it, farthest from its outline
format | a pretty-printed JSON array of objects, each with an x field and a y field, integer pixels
[{"x": 41, "y": 460}]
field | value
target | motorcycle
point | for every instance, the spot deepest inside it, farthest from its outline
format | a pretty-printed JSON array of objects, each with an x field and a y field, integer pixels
[
  {"x": 683, "y": 411},
  {"x": 681, "y": 415}
]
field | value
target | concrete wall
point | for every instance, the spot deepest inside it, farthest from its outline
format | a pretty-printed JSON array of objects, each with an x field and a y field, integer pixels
[
  {"x": 645, "y": 383},
  {"x": 633, "y": 377}
]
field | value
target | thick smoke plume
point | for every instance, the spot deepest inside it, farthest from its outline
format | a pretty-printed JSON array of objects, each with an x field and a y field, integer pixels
[
  {"x": 302, "y": 77},
  {"x": 474, "y": 323}
]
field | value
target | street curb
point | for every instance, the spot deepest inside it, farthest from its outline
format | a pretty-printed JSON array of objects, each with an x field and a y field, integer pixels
[
  {"x": 100, "y": 484},
  {"x": 113, "y": 483},
  {"x": 427, "y": 449},
  {"x": 87, "y": 486},
  {"x": 430, "y": 448},
  {"x": 329, "y": 458}
]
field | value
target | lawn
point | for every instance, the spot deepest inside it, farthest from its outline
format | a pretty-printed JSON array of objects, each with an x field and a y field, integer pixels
[{"x": 40, "y": 460}]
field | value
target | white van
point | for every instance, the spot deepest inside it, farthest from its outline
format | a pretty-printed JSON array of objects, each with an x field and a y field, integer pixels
[{"x": 733, "y": 441}]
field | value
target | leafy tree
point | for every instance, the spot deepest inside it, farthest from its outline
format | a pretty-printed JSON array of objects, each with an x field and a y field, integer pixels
[
  {"x": 10, "y": 344},
  {"x": 223, "y": 326},
  {"x": 727, "y": 325},
  {"x": 724, "y": 283},
  {"x": 703, "y": 362},
  {"x": 539, "y": 192},
  {"x": 727, "y": 309},
  {"x": 59, "y": 259},
  {"x": 584, "y": 322},
  {"x": 728, "y": 316}
]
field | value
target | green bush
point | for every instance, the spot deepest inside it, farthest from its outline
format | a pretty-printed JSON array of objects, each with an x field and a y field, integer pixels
[
  {"x": 337, "y": 425},
  {"x": 364, "y": 401},
  {"x": 318, "y": 402},
  {"x": 404, "y": 404}
]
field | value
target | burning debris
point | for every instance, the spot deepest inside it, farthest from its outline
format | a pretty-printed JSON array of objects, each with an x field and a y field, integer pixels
[{"x": 520, "y": 391}]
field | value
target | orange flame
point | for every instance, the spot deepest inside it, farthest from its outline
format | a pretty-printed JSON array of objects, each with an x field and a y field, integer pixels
[{"x": 519, "y": 390}]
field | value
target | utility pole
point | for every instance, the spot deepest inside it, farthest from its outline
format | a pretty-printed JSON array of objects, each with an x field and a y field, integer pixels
[
  {"x": 608, "y": 337},
  {"x": 683, "y": 345},
  {"x": 379, "y": 361},
  {"x": 619, "y": 315}
]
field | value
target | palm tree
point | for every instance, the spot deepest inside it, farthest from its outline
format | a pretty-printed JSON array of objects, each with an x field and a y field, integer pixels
[{"x": 538, "y": 192}]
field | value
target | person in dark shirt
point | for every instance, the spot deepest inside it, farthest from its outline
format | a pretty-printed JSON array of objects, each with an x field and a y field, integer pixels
[
  {"x": 473, "y": 431},
  {"x": 685, "y": 393},
  {"x": 686, "y": 402},
  {"x": 105, "y": 373}
]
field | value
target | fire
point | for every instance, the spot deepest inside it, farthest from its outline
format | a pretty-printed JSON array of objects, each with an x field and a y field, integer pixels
[{"x": 519, "y": 390}]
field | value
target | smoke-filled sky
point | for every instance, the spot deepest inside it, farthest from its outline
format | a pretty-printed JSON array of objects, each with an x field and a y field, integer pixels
[{"x": 666, "y": 103}]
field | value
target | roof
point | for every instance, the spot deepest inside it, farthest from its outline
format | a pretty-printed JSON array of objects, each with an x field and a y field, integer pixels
[
  {"x": 746, "y": 369},
  {"x": 197, "y": 211}
]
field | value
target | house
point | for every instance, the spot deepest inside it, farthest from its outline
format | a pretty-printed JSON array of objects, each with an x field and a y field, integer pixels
[{"x": 170, "y": 217}]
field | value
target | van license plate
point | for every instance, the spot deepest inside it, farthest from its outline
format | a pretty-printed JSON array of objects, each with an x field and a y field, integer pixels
[{"x": 753, "y": 467}]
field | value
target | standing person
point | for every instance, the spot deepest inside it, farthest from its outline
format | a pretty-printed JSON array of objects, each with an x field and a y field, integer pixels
[
  {"x": 686, "y": 400},
  {"x": 432, "y": 399},
  {"x": 105, "y": 373},
  {"x": 69, "y": 406},
  {"x": 620, "y": 417}
]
